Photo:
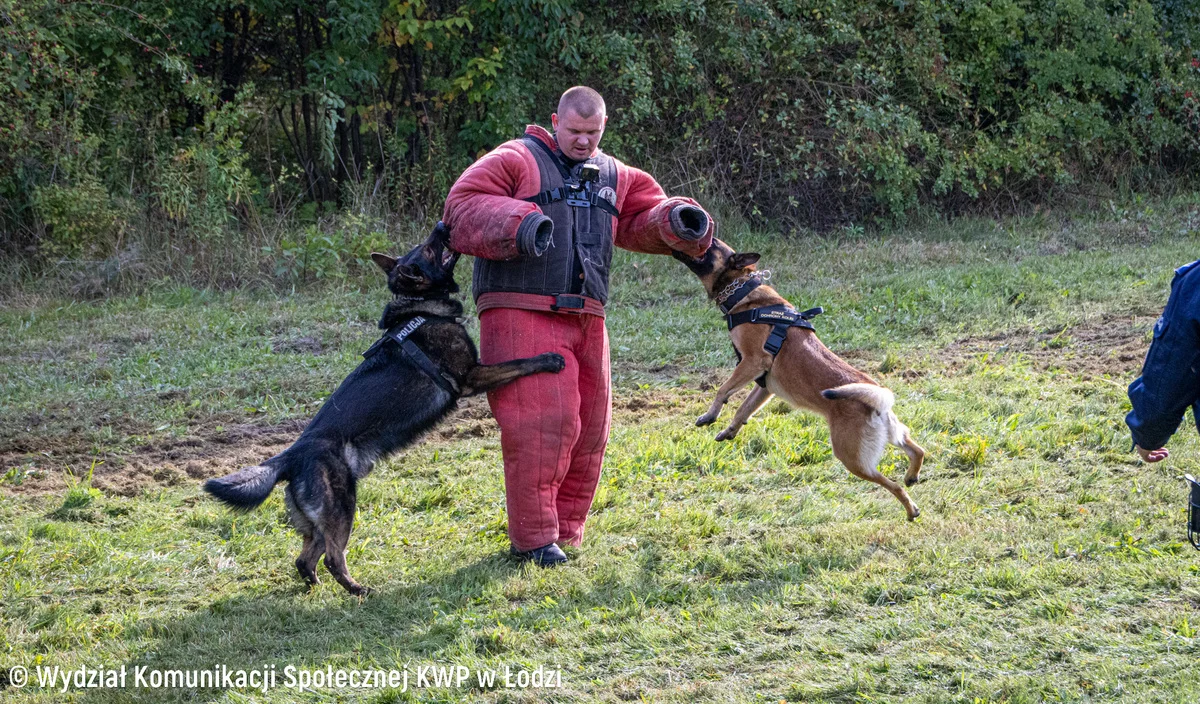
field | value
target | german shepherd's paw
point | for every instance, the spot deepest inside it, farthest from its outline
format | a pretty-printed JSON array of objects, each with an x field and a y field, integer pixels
[
  {"x": 308, "y": 574},
  {"x": 551, "y": 362}
]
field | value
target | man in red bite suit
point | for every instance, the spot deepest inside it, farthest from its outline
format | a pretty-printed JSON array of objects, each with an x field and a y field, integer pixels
[{"x": 541, "y": 215}]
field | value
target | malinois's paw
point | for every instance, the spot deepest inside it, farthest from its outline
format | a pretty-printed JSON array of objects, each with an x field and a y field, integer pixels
[
  {"x": 706, "y": 419},
  {"x": 727, "y": 434},
  {"x": 551, "y": 362}
]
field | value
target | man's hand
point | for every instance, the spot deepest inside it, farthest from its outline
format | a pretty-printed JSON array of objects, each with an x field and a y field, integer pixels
[{"x": 1153, "y": 455}]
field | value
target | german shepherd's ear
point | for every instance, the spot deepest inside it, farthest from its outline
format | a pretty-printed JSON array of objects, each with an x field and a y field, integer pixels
[
  {"x": 409, "y": 273},
  {"x": 384, "y": 261},
  {"x": 741, "y": 260}
]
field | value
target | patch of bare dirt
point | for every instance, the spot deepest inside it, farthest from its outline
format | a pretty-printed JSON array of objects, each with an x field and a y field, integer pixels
[
  {"x": 211, "y": 450},
  {"x": 1113, "y": 347},
  {"x": 48, "y": 450},
  {"x": 472, "y": 419},
  {"x": 297, "y": 345}
]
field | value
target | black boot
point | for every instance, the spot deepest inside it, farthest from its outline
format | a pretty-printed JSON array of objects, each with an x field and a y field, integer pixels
[{"x": 546, "y": 556}]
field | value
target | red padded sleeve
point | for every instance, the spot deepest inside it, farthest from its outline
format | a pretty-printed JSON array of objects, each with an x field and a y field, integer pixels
[
  {"x": 645, "y": 209},
  {"x": 484, "y": 207}
]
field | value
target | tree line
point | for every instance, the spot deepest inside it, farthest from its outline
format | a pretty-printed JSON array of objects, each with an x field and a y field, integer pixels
[{"x": 205, "y": 119}]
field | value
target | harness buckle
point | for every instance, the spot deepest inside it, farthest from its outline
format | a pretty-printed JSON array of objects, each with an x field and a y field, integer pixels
[
  {"x": 571, "y": 303},
  {"x": 579, "y": 199}
]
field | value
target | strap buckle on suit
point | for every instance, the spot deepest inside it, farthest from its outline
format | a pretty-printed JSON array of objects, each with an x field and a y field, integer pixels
[
  {"x": 577, "y": 194},
  {"x": 568, "y": 303}
]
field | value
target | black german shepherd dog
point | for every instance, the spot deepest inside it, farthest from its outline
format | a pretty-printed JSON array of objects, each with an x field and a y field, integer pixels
[{"x": 409, "y": 381}]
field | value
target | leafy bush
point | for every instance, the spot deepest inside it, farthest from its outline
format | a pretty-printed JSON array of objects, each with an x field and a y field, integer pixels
[
  {"x": 311, "y": 253},
  {"x": 79, "y": 219},
  {"x": 217, "y": 118}
]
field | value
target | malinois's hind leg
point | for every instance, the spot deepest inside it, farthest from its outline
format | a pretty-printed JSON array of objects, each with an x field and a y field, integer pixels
[
  {"x": 756, "y": 400},
  {"x": 916, "y": 456},
  {"x": 859, "y": 445},
  {"x": 485, "y": 377}
]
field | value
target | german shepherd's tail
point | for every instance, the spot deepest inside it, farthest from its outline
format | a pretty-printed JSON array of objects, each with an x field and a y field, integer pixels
[
  {"x": 877, "y": 398},
  {"x": 247, "y": 488}
]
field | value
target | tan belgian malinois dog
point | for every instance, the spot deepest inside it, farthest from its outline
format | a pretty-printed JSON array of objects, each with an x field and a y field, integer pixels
[{"x": 804, "y": 372}]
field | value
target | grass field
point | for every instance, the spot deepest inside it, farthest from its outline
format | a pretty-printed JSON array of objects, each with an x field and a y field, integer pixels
[{"x": 1048, "y": 565}]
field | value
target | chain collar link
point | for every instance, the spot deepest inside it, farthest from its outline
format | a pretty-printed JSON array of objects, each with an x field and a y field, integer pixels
[{"x": 763, "y": 277}]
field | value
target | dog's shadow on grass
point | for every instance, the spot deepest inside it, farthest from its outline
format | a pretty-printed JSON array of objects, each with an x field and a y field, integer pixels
[{"x": 391, "y": 628}]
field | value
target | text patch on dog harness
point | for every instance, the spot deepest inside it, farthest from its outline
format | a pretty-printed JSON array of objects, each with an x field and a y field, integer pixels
[
  {"x": 400, "y": 334},
  {"x": 780, "y": 317}
]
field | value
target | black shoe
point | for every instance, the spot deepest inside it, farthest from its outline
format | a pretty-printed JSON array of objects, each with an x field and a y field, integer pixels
[{"x": 546, "y": 556}]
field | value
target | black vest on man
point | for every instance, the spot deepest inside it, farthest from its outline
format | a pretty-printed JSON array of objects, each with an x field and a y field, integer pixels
[{"x": 580, "y": 253}]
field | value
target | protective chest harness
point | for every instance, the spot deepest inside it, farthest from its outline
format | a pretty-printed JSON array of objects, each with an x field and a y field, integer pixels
[
  {"x": 780, "y": 317},
  {"x": 585, "y": 194},
  {"x": 581, "y": 201},
  {"x": 400, "y": 334}
]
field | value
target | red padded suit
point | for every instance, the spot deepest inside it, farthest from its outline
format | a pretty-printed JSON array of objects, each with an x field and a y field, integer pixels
[{"x": 553, "y": 427}]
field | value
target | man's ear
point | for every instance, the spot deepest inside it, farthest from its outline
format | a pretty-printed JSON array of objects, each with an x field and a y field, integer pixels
[
  {"x": 384, "y": 261},
  {"x": 741, "y": 260}
]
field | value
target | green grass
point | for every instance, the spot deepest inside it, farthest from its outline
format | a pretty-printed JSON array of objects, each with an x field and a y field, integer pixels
[{"x": 1048, "y": 564}]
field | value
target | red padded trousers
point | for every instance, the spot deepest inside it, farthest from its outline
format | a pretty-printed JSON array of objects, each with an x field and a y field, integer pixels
[{"x": 553, "y": 427}]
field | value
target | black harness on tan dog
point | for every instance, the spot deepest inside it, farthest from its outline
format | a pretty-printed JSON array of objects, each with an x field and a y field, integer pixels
[
  {"x": 399, "y": 334},
  {"x": 781, "y": 317}
]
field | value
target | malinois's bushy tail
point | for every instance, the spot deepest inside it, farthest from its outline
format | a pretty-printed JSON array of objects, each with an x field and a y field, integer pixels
[
  {"x": 248, "y": 487},
  {"x": 875, "y": 397}
]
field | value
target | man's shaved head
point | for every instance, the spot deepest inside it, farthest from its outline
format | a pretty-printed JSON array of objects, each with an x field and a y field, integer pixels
[
  {"x": 579, "y": 122},
  {"x": 582, "y": 101}
]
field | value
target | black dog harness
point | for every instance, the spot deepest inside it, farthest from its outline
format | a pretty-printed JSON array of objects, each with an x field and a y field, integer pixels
[
  {"x": 781, "y": 316},
  {"x": 400, "y": 334}
]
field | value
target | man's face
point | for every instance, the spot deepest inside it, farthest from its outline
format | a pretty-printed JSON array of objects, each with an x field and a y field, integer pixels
[{"x": 578, "y": 136}]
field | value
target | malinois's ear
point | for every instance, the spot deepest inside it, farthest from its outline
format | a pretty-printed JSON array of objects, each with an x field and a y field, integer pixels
[
  {"x": 741, "y": 260},
  {"x": 384, "y": 261}
]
